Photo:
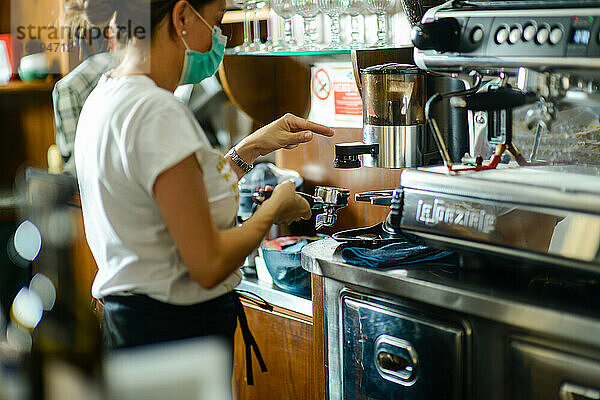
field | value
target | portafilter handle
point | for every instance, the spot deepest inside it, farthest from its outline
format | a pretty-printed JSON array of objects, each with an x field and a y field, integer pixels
[
  {"x": 376, "y": 197},
  {"x": 315, "y": 203},
  {"x": 346, "y": 154}
]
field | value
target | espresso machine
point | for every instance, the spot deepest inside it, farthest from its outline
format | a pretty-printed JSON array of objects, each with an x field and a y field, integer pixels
[
  {"x": 517, "y": 315},
  {"x": 545, "y": 60}
]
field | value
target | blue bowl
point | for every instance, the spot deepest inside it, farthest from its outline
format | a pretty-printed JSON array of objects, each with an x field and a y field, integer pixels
[{"x": 285, "y": 265}]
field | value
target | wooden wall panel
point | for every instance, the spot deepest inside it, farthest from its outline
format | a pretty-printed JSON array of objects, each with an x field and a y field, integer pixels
[
  {"x": 4, "y": 16},
  {"x": 266, "y": 87},
  {"x": 314, "y": 161}
]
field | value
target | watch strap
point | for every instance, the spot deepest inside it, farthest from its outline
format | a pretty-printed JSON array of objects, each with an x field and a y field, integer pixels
[{"x": 235, "y": 157}]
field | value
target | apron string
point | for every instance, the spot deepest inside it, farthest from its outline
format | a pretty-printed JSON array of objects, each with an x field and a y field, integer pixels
[{"x": 249, "y": 341}]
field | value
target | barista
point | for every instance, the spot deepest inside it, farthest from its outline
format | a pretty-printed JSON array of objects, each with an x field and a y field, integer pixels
[{"x": 159, "y": 204}]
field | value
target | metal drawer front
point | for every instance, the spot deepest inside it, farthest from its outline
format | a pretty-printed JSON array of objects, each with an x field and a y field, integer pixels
[
  {"x": 540, "y": 373},
  {"x": 390, "y": 354}
]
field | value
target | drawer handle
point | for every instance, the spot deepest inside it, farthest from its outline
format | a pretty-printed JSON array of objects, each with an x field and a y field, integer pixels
[
  {"x": 393, "y": 362},
  {"x": 570, "y": 391},
  {"x": 396, "y": 360}
]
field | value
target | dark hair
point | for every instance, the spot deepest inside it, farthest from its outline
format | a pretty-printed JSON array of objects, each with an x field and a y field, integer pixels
[{"x": 98, "y": 13}]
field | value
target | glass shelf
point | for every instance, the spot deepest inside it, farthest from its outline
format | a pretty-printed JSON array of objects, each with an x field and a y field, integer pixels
[{"x": 290, "y": 53}]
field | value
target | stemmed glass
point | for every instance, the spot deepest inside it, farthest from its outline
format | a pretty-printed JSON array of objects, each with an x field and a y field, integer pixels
[
  {"x": 308, "y": 10},
  {"x": 285, "y": 10},
  {"x": 380, "y": 7},
  {"x": 333, "y": 8},
  {"x": 269, "y": 45},
  {"x": 256, "y": 44},
  {"x": 355, "y": 8},
  {"x": 245, "y": 46}
]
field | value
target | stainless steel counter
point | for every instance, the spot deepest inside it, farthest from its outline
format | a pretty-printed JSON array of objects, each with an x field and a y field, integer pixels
[
  {"x": 501, "y": 294},
  {"x": 277, "y": 297}
]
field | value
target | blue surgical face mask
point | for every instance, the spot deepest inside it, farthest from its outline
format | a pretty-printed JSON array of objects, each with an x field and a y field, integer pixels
[{"x": 198, "y": 66}]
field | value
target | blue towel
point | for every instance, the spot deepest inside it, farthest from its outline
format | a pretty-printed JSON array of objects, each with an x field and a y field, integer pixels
[{"x": 395, "y": 255}]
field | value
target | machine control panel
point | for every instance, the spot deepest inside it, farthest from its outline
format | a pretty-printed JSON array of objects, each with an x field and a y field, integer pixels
[
  {"x": 558, "y": 36},
  {"x": 555, "y": 37}
]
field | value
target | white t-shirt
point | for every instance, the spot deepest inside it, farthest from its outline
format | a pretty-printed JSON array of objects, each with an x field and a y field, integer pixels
[{"x": 129, "y": 132}]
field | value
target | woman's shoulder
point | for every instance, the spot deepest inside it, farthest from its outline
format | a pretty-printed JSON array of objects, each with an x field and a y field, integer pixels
[{"x": 139, "y": 96}]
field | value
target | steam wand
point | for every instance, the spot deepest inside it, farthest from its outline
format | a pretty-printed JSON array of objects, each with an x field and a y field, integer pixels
[{"x": 541, "y": 117}]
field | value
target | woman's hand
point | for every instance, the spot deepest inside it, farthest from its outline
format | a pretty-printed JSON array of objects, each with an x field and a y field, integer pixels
[
  {"x": 290, "y": 206},
  {"x": 287, "y": 132}
]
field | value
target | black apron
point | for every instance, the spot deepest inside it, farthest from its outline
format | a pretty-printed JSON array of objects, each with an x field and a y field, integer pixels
[{"x": 138, "y": 320}]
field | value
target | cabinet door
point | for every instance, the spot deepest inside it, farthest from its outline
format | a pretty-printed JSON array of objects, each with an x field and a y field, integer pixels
[
  {"x": 542, "y": 373},
  {"x": 286, "y": 345},
  {"x": 392, "y": 353}
]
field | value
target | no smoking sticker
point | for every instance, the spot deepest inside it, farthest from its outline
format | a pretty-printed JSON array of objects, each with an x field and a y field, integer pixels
[
  {"x": 334, "y": 97},
  {"x": 321, "y": 84}
]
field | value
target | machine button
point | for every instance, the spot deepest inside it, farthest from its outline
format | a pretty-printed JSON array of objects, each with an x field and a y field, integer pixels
[
  {"x": 502, "y": 35},
  {"x": 542, "y": 35},
  {"x": 515, "y": 35},
  {"x": 476, "y": 35},
  {"x": 556, "y": 35},
  {"x": 529, "y": 33}
]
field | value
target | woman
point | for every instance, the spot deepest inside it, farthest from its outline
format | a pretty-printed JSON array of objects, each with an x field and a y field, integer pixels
[{"x": 159, "y": 203}]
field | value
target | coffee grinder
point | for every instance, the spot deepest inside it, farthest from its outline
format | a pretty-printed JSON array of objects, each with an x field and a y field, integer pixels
[{"x": 393, "y": 97}]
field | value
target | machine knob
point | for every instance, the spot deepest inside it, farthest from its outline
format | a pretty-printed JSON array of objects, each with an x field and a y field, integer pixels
[
  {"x": 542, "y": 35},
  {"x": 502, "y": 35},
  {"x": 476, "y": 35},
  {"x": 515, "y": 35},
  {"x": 556, "y": 35},
  {"x": 529, "y": 33},
  {"x": 441, "y": 35}
]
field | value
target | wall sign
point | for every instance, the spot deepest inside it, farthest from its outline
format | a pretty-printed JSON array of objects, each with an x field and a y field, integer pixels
[{"x": 335, "y": 100}]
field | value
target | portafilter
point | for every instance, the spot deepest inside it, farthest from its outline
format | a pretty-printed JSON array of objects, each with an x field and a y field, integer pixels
[{"x": 326, "y": 199}]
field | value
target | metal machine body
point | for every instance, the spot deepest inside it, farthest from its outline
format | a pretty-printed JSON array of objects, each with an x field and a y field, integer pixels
[
  {"x": 544, "y": 214},
  {"x": 496, "y": 332},
  {"x": 390, "y": 139}
]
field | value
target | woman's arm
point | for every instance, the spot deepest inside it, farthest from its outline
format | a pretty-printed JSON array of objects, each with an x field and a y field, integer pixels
[
  {"x": 287, "y": 132},
  {"x": 210, "y": 254}
]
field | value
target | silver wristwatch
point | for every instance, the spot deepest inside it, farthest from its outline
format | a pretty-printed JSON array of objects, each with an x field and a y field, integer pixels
[{"x": 235, "y": 157}]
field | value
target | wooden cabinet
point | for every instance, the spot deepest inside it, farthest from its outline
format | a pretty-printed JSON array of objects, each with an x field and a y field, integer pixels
[
  {"x": 285, "y": 341},
  {"x": 293, "y": 349}
]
